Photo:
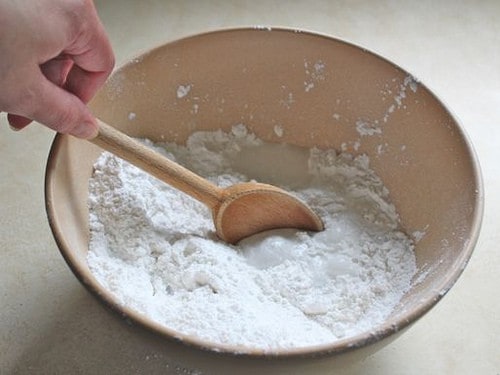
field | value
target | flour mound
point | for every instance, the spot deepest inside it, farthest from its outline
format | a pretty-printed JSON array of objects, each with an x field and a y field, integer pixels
[{"x": 156, "y": 251}]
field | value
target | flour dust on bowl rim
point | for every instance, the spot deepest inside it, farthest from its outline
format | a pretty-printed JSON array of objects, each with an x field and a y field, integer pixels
[{"x": 302, "y": 89}]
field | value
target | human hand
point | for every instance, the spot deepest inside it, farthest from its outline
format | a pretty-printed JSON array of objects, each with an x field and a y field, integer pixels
[{"x": 54, "y": 56}]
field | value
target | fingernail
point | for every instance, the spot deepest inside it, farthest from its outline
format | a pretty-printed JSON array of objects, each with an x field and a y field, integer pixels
[{"x": 85, "y": 130}]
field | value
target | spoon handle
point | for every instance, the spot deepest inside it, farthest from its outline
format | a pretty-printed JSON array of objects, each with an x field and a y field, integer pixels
[{"x": 131, "y": 150}]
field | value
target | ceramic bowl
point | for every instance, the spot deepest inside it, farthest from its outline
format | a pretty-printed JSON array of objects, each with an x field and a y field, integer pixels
[{"x": 321, "y": 92}]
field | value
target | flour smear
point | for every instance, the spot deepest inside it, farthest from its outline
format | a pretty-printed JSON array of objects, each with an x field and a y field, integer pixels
[{"x": 156, "y": 251}]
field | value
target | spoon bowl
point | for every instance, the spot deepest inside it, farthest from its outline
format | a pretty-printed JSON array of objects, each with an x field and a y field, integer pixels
[{"x": 250, "y": 208}]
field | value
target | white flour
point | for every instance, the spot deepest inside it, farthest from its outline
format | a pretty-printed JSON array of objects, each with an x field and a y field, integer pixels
[{"x": 155, "y": 248}]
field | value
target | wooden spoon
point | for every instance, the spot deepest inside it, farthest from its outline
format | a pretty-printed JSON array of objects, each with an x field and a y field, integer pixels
[{"x": 238, "y": 211}]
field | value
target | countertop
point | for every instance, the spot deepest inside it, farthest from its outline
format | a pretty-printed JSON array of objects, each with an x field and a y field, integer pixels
[{"x": 49, "y": 324}]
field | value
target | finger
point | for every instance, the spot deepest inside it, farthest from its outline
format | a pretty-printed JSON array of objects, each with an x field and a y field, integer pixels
[
  {"x": 84, "y": 84},
  {"x": 61, "y": 110},
  {"x": 56, "y": 71},
  {"x": 92, "y": 51},
  {"x": 18, "y": 122},
  {"x": 93, "y": 62}
]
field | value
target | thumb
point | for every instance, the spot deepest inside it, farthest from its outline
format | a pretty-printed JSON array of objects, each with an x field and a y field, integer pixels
[
  {"x": 56, "y": 71},
  {"x": 61, "y": 111}
]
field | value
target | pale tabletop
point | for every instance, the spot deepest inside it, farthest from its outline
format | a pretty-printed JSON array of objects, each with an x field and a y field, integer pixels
[{"x": 49, "y": 324}]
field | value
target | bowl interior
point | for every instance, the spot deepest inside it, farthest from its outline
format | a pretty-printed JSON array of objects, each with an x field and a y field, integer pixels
[{"x": 318, "y": 91}]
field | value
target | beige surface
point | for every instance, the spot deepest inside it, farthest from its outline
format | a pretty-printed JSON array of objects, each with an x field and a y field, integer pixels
[{"x": 50, "y": 325}]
